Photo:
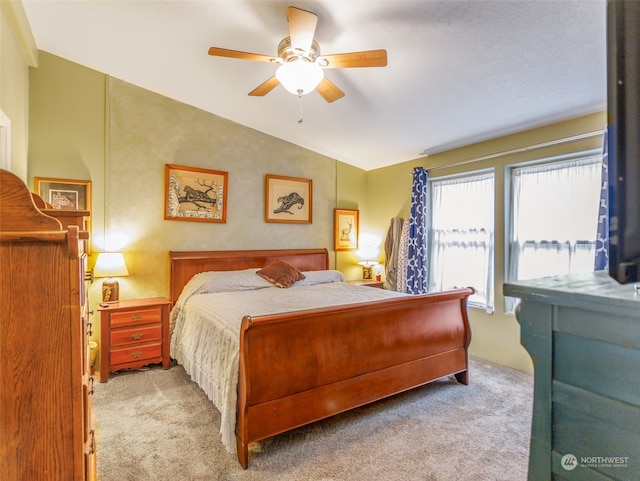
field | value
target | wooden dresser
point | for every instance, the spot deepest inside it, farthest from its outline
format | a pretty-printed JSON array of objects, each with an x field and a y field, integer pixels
[
  {"x": 46, "y": 428},
  {"x": 134, "y": 333}
]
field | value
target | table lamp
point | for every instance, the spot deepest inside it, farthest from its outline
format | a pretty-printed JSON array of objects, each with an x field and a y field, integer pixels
[{"x": 110, "y": 265}]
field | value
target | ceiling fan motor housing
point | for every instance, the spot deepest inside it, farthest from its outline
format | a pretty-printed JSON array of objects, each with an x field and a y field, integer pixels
[{"x": 287, "y": 53}]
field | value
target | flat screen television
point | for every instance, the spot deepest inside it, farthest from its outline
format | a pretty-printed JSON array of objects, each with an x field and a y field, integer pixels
[{"x": 623, "y": 106}]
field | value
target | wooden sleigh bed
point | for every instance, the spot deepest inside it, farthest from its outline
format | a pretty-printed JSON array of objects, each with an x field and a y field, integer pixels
[{"x": 342, "y": 357}]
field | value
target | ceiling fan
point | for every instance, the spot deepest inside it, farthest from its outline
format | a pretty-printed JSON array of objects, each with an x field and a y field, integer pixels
[{"x": 300, "y": 62}]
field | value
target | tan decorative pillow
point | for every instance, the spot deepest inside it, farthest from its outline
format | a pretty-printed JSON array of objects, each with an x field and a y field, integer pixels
[{"x": 281, "y": 274}]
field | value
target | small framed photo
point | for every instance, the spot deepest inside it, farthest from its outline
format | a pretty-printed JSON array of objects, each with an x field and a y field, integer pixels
[
  {"x": 64, "y": 194},
  {"x": 345, "y": 229},
  {"x": 195, "y": 194},
  {"x": 288, "y": 200}
]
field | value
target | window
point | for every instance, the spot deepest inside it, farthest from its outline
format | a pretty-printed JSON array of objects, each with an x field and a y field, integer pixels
[
  {"x": 461, "y": 236},
  {"x": 554, "y": 213}
]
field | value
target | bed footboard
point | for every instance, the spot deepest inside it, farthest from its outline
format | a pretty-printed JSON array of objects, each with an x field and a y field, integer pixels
[{"x": 300, "y": 367}]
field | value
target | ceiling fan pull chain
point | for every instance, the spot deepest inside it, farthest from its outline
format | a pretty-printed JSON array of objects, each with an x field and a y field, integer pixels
[{"x": 300, "y": 107}]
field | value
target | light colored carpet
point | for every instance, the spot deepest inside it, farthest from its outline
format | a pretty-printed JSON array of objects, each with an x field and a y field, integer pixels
[{"x": 158, "y": 425}]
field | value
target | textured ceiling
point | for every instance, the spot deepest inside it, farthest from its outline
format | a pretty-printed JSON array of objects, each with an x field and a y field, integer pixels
[{"x": 458, "y": 71}]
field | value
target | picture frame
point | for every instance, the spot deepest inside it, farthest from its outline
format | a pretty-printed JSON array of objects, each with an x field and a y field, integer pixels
[
  {"x": 288, "y": 199},
  {"x": 64, "y": 194},
  {"x": 195, "y": 194},
  {"x": 345, "y": 229}
]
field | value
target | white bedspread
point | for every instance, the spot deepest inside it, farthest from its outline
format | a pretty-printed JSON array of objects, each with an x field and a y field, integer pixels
[{"x": 206, "y": 325}]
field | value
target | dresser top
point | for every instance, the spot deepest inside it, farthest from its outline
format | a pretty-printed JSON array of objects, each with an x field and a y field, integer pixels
[{"x": 595, "y": 290}]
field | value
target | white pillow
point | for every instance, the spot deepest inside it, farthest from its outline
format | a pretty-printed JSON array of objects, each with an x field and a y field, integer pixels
[
  {"x": 228, "y": 281},
  {"x": 320, "y": 277}
]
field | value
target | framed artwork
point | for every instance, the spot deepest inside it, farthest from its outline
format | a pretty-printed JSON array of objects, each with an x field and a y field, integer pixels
[
  {"x": 64, "y": 194},
  {"x": 288, "y": 200},
  {"x": 345, "y": 229},
  {"x": 195, "y": 194}
]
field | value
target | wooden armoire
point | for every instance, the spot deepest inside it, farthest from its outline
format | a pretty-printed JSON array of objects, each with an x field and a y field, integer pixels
[{"x": 46, "y": 431}]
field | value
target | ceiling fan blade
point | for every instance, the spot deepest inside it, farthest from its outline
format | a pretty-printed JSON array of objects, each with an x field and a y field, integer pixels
[
  {"x": 367, "y": 58},
  {"x": 265, "y": 87},
  {"x": 223, "y": 52},
  {"x": 302, "y": 28},
  {"x": 329, "y": 91}
]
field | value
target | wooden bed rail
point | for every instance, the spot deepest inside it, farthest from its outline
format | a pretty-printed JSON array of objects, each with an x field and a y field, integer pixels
[{"x": 300, "y": 367}]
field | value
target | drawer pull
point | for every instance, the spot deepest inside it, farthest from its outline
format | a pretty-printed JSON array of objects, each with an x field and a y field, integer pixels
[
  {"x": 136, "y": 354},
  {"x": 137, "y": 336},
  {"x": 136, "y": 318}
]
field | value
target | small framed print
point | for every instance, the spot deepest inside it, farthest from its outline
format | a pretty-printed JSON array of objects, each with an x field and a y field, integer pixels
[
  {"x": 195, "y": 194},
  {"x": 64, "y": 194},
  {"x": 288, "y": 200},
  {"x": 345, "y": 229}
]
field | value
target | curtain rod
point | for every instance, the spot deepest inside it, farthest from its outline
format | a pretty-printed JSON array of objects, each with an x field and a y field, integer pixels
[{"x": 522, "y": 149}]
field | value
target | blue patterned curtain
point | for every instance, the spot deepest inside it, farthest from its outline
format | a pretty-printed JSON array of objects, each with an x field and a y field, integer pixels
[
  {"x": 602, "y": 238},
  {"x": 417, "y": 252}
]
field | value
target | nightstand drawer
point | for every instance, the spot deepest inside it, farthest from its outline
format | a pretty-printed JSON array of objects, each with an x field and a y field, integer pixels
[
  {"x": 131, "y": 335},
  {"x": 135, "y": 353},
  {"x": 133, "y": 318}
]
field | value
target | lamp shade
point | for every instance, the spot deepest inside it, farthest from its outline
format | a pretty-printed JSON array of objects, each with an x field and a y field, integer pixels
[
  {"x": 299, "y": 76},
  {"x": 110, "y": 264},
  {"x": 369, "y": 263}
]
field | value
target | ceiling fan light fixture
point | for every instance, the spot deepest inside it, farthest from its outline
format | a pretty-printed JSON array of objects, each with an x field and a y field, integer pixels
[{"x": 299, "y": 76}]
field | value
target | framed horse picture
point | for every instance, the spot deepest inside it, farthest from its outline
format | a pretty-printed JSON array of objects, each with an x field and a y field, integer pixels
[{"x": 288, "y": 199}]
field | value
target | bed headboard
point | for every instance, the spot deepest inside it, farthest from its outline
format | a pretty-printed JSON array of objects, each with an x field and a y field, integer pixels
[{"x": 186, "y": 264}]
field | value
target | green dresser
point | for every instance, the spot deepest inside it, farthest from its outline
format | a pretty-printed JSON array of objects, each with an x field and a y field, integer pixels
[{"x": 583, "y": 334}]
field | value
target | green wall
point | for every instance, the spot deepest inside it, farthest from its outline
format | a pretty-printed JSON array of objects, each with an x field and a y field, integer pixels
[
  {"x": 496, "y": 336},
  {"x": 351, "y": 190},
  {"x": 15, "y": 57},
  {"x": 147, "y": 131},
  {"x": 67, "y": 127},
  {"x": 88, "y": 126}
]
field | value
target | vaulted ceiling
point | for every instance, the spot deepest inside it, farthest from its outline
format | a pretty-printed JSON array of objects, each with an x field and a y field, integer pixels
[{"x": 459, "y": 71}]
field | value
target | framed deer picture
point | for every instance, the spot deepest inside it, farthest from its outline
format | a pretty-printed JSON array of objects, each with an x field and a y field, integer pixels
[
  {"x": 195, "y": 194},
  {"x": 345, "y": 229}
]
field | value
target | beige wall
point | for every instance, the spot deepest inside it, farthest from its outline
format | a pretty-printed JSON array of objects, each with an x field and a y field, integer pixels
[{"x": 87, "y": 125}]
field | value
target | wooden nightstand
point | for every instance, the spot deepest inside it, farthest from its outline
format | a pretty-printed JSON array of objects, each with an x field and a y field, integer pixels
[
  {"x": 367, "y": 282},
  {"x": 134, "y": 333}
]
